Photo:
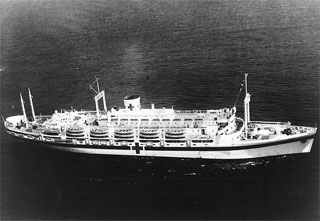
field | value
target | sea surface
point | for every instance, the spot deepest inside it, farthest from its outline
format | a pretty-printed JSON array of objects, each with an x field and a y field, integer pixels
[{"x": 187, "y": 53}]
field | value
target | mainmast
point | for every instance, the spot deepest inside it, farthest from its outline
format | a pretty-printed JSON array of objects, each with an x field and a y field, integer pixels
[
  {"x": 246, "y": 106},
  {"x": 98, "y": 97},
  {"x": 31, "y": 104},
  {"x": 23, "y": 110}
]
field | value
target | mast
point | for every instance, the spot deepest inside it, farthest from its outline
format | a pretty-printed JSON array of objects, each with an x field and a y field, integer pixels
[
  {"x": 246, "y": 106},
  {"x": 23, "y": 110},
  {"x": 100, "y": 94},
  {"x": 31, "y": 104},
  {"x": 98, "y": 88}
]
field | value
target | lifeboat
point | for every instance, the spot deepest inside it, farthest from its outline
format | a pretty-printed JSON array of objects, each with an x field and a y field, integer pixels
[
  {"x": 175, "y": 134},
  {"x": 75, "y": 132},
  {"x": 123, "y": 132},
  {"x": 124, "y": 135},
  {"x": 149, "y": 134},
  {"x": 99, "y": 133}
]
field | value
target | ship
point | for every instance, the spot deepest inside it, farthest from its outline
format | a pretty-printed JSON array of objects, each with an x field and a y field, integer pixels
[{"x": 161, "y": 132}]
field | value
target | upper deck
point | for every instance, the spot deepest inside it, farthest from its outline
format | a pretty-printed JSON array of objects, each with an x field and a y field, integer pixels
[{"x": 143, "y": 118}]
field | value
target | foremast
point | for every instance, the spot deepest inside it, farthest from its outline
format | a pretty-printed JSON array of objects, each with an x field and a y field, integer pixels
[{"x": 23, "y": 110}]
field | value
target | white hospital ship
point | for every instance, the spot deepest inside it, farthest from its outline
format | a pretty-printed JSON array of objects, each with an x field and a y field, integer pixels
[{"x": 161, "y": 132}]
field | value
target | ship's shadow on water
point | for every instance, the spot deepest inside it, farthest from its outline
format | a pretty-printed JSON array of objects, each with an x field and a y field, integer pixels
[{"x": 118, "y": 187}]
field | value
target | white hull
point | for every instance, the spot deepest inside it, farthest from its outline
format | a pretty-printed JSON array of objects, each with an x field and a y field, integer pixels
[
  {"x": 274, "y": 150},
  {"x": 161, "y": 132}
]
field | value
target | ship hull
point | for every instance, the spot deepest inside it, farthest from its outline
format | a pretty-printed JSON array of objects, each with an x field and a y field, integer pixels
[
  {"x": 258, "y": 150},
  {"x": 274, "y": 150}
]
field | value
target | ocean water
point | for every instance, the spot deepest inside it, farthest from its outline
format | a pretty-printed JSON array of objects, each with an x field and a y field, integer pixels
[{"x": 189, "y": 54}]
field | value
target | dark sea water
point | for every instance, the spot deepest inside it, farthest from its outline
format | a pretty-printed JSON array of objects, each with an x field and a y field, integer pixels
[{"x": 190, "y": 54}]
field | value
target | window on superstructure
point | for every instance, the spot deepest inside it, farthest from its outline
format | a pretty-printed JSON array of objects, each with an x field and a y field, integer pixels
[
  {"x": 155, "y": 122},
  {"x": 176, "y": 122},
  {"x": 144, "y": 122},
  {"x": 165, "y": 123},
  {"x": 134, "y": 122}
]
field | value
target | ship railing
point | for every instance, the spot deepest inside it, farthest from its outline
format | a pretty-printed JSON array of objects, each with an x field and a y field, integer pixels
[
  {"x": 190, "y": 111},
  {"x": 304, "y": 129},
  {"x": 79, "y": 111},
  {"x": 43, "y": 116},
  {"x": 8, "y": 124},
  {"x": 89, "y": 111},
  {"x": 150, "y": 127},
  {"x": 270, "y": 123}
]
